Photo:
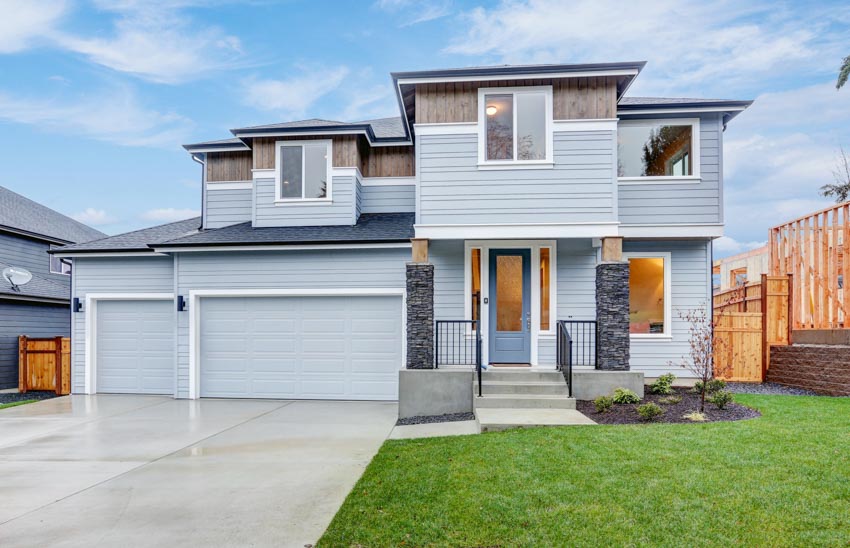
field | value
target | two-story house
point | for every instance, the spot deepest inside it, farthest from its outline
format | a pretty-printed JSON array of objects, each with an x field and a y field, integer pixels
[
  {"x": 41, "y": 307},
  {"x": 533, "y": 208}
]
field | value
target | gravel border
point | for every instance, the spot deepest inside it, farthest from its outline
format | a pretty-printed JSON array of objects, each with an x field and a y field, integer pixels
[
  {"x": 12, "y": 397},
  {"x": 768, "y": 388},
  {"x": 430, "y": 419}
]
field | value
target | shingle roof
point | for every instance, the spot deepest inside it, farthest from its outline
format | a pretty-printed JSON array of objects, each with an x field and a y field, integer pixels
[
  {"x": 371, "y": 227},
  {"x": 40, "y": 287},
  {"x": 309, "y": 123},
  {"x": 224, "y": 144},
  {"x": 138, "y": 240},
  {"x": 380, "y": 128},
  {"x": 678, "y": 101},
  {"x": 23, "y": 214},
  {"x": 386, "y": 128}
]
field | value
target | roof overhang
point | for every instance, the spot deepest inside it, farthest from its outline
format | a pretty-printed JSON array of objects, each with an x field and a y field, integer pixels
[
  {"x": 34, "y": 235},
  {"x": 285, "y": 246},
  {"x": 139, "y": 252},
  {"x": 34, "y": 299},
  {"x": 729, "y": 109},
  {"x": 347, "y": 129}
]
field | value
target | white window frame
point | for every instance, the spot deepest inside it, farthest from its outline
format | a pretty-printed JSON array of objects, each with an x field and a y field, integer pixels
[
  {"x": 694, "y": 156},
  {"x": 668, "y": 295},
  {"x": 534, "y": 245},
  {"x": 483, "y": 162},
  {"x": 70, "y": 267},
  {"x": 278, "y": 199}
]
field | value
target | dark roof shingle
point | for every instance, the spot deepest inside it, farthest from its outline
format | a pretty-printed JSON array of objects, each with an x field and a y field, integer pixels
[
  {"x": 138, "y": 240},
  {"x": 40, "y": 287},
  {"x": 20, "y": 213}
]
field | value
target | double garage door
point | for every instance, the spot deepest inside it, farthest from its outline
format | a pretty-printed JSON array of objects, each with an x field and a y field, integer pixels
[{"x": 335, "y": 347}]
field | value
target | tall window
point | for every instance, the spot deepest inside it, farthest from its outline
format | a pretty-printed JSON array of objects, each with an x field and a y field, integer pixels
[
  {"x": 545, "y": 273},
  {"x": 648, "y": 296},
  {"x": 656, "y": 149},
  {"x": 516, "y": 125},
  {"x": 475, "y": 277},
  {"x": 303, "y": 171}
]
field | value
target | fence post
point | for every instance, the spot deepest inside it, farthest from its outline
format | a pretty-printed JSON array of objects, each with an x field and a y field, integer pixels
[
  {"x": 765, "y": 348},
  {"x": 57, "y": 359},
  {"x": 22, "y": 364}
]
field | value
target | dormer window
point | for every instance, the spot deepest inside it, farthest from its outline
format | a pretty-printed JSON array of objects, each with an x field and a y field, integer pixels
[
  {"x": 515, "y": 127},
  {"x": 303, "y": 171},
  {"x": 658, "y": 150}
]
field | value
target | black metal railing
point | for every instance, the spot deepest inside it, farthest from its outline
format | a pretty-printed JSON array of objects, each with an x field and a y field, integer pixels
[
  {"x": 575, "y": 345},
  {"x": 458, "y": 342}
]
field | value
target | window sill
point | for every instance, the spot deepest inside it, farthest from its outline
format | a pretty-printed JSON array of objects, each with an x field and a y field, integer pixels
[
  {"x": 509, "y": 166},
  {"x": 302, "y": 201},
  {"x": 658, "y": 180}
]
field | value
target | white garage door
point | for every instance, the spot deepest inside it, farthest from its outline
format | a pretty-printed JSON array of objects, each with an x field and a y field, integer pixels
[
  {"x": 135, "y": 347},
  {"x": 301, "y": 347}
]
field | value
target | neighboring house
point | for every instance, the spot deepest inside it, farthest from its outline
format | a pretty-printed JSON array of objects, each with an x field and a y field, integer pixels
[
  {"x": 516, "y": 196},
  {"x": 39, "y": 308},
  {"x": 737, "y": 270}
]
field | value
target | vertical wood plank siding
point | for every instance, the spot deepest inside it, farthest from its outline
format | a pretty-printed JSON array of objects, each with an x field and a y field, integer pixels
[
  {"x": 573, "y": 98},
  {"x": 690, "y": 202},
  {"x": 112, "y": 275},
  {"x": 229, "y": 166},
  {"x": 397, "y": 161},
  {"x": 345, "y": 150}
]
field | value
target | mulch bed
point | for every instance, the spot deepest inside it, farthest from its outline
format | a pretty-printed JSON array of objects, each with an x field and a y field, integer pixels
[
  {"x": 12, "y": 397},
  {"x": 673, "y": 413},
  {"x": 429, "y": 419}
]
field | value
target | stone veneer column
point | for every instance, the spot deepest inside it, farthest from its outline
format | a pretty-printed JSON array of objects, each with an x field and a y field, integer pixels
[
  {"x": 612, "y": 316},
  {"x": 420, "y": 316}
]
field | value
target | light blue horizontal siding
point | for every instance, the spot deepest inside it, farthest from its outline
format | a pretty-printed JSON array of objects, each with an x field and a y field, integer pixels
[
  {"x": 579, "y": 188},
  {"x": 227, "y": 207},
  {"x": 342, "y": 210},
  {"x": 363, "y": 268},
  {"x": 112, "y": 275},
  {"x": 32, "y": 320},
  {"x": 690, "y": 288},
  {"x": 694, "y": 202},
  {"x": 389, "y": 199}
]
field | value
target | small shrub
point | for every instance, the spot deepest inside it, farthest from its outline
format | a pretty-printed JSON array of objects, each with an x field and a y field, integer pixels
[
  {"x": 715, "y": 385},
  {"x": 670, "y": 400},
  {"x": 697, "y": 387},
  {"x": 624, "y": 395},
  {"x": 603, "y": 403},
  {"x": 721, "y": 398},
  {"x": 650, "y": 411},
  {"x": 663, "y": 384},
  {"x": 695, "y": 416}
]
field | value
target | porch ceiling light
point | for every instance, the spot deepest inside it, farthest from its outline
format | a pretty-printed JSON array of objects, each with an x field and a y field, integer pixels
[{"x": 492, "y": 110}]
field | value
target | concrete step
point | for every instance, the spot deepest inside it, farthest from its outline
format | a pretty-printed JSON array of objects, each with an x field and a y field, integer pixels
[
  {"x": 491, "y": 420},
  {"x": 496, "y": 375},
  {"x": 557, "y": 388},
  {"x": 523, "y": 401}
]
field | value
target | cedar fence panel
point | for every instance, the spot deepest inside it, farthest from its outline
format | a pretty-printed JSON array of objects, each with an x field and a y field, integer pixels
[
  {"x": 738, "y": 346},
  {"x": 44, "y": 364}
]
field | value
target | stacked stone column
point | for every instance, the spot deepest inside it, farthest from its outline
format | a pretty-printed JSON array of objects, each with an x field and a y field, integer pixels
[
  {"x": 612, "y": 308},
  {"x": 420, "y": 309}
]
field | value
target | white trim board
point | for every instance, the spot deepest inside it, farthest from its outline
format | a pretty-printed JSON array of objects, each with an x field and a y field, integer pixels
[
  {"x": 514, "y": 162},
  {"x": 279, "y": 200},
  {"x": 450, "y": 128},
  {"x": 696, "y": 152},
  {"x": 388, "y": 181},
  {"x": 524, "y": 76},
  {"x": 195, "y": 316},
  {"x": 287, "y": 247},
  {"x": 90, "y": 311},
  {"x": 329, "y": 133},
  {"x": 122, "y": 254},
  {"x": 229, "y": 185},
  {"x": 667, "y": 256}
]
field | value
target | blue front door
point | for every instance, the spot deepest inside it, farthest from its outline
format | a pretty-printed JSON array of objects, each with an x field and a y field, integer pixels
[{"x": 510, "y": 306}]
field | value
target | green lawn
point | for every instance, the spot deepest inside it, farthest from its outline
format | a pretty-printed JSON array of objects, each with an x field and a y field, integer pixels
[
  {"x": 780, "y": 480},
  {"x": 15, "y": 403}
]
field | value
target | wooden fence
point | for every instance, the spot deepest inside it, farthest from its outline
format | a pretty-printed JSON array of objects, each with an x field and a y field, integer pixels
[
  {"x": 747, "y": 320},
  {"x": 44, "y": 364},
  {"x": 814, "y": 251}
]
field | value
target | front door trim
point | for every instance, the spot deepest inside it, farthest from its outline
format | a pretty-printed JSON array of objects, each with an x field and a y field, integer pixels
[
  {"x": 524, "y": 334},
  {"x": 534, "y": 245}
]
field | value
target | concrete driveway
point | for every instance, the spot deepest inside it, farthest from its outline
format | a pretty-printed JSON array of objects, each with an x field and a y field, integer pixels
[{"x": 148, "y": 470}]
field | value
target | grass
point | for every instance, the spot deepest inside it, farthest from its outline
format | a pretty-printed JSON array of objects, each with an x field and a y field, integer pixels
[
  {"x": 15, "y": 403},
  {"x": 779, "y": 480}
]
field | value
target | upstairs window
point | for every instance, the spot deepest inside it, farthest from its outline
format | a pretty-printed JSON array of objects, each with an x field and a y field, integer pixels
[
  {"x": 658, "y": 149},
  {"x": 515, "y": 125},
  {"x": 303, "y": 171},
  {"x": 58, "y": 266}
]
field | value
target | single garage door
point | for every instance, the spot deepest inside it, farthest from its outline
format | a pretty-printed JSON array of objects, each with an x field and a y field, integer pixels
[
  {"x": 301, "y": 347},
  {"x": 135, "y": 347}
]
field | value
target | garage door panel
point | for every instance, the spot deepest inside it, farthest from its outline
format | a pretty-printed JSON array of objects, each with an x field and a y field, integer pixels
[
  {"x": 135, "y": 347},
  {"x": 301, "y": 347}
]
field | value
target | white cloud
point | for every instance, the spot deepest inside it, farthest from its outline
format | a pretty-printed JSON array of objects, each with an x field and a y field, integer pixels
[
  {"x": 157, "y": 42},
  {"x": 169, "y": 214},
  {"x": 94, "y": 217},
  {"x": 114, "y": 116},
  {"x": 293, "y": 96},
  {"x": 25, "y": 23},
  {"x": 415, "y": 11},
  {"x": 726, "y": 245}
]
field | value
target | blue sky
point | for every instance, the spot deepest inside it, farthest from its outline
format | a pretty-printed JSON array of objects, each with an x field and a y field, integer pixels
[{"x": 97, "y": 96}]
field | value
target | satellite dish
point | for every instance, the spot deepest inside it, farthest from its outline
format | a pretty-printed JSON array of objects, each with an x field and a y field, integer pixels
[{"x": 17, "y": 276}]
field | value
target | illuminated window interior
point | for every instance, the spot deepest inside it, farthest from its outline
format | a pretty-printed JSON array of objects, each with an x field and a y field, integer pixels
[
  {"x": 646, "y": 295},
  {"x": 475, "y": 267},
  {"x": 545, "y": 271}
]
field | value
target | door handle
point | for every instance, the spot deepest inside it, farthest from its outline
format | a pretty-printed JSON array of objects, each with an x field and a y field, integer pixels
[{"x": 528, "y": 320}]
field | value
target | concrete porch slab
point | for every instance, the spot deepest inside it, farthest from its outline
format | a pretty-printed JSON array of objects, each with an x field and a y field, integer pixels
[
  {"x": 495, "y": 419},
  {"x": 434, "y": 430}
]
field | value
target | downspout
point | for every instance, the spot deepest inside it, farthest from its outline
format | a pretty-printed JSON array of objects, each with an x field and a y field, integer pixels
[{"x": 202, "y": 159}]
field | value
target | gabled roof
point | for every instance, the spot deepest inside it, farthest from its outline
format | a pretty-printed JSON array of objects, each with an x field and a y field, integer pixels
[
  {"x": 22, "y": 215},
  {"x": 39, "y": 288},
  {"x": 370, "y": 228},
  {"x": 136, "y": 241}
]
